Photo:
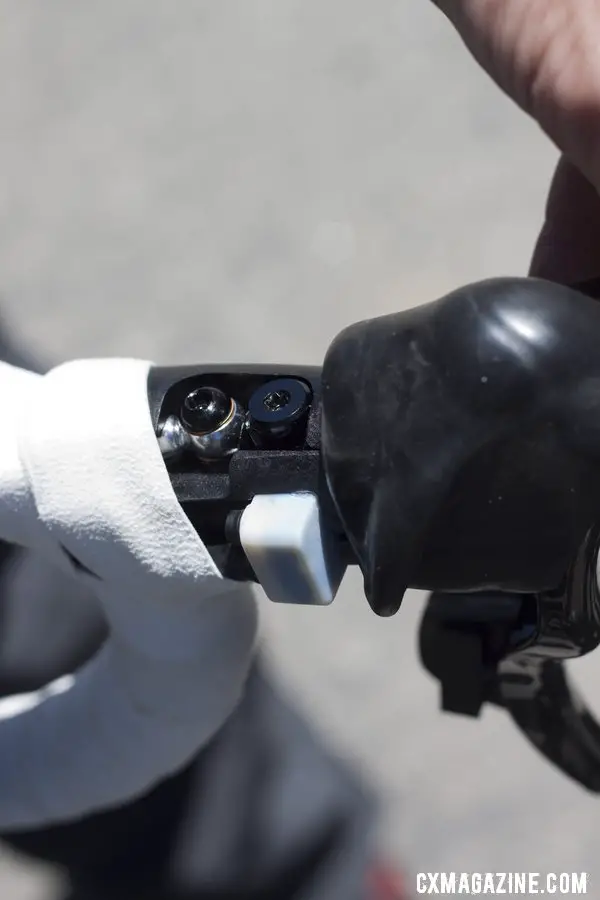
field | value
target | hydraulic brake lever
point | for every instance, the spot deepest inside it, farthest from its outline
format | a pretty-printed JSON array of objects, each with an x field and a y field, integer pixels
[{"x": 453, "y": 448}]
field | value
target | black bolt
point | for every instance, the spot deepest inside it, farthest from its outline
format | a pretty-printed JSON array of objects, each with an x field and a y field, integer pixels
[
  {"x": 205, "y": 409},
  {"x": 277, "y": 408}
]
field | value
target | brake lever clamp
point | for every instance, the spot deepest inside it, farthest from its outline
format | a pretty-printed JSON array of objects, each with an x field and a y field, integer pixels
[{"x": 242, "y": 447}]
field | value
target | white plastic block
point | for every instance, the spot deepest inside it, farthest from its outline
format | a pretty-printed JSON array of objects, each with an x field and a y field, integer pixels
[{"x": 295, "y": 558}]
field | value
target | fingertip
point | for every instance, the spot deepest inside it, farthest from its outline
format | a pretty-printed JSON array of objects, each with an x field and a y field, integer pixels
[{"x": 568, "y": 247}]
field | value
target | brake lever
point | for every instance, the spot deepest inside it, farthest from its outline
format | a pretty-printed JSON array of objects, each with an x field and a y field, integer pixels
[
  {"x": 508, "y": 650},
  {"x": 384, "y": 459}
]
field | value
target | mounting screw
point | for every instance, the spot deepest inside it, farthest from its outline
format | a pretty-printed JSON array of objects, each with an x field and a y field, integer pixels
[
  {"x": 276, "y": 407},
  {"x": 205, "y": 409},
  {"x": 215, "y": 423}
]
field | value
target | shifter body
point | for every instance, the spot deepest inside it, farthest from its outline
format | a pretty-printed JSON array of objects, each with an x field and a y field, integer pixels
[{"x": 453, "y": 448}]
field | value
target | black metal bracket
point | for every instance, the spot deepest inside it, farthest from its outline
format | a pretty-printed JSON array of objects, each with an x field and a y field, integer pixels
[{"x": 277, "y": 453}]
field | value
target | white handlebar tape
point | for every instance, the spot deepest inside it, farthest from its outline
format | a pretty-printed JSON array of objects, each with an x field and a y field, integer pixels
[{"x": 83, "y": 481}]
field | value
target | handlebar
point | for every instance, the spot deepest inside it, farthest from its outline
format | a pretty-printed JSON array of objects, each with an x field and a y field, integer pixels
[{"x": 453, "y": 448}]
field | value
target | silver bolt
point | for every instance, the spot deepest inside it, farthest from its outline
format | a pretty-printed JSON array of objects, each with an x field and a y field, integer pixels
[{"x": 224, "y": 440}]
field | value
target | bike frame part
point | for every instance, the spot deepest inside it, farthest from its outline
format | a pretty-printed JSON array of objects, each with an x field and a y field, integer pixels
[
  {"x": 261, "y": 507},
  {"x": 452, "y": 448},
  {"x": 508, "y": 650}
]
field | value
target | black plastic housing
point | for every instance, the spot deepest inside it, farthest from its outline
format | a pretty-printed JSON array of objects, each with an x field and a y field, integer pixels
[{"x": 214, "y": 493}]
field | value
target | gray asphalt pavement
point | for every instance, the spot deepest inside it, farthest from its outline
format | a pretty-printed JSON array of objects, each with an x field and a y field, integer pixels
[{"x": 238, "y": 180}]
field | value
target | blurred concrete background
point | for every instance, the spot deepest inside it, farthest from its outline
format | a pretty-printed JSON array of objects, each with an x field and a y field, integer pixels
[{"x": 237, "y": 180}]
